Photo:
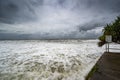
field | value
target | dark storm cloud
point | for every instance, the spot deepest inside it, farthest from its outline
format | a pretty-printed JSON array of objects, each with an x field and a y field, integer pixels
[
  {"x": 23, "y": 10},
  {"x": 90, "y": 25},
  {"x": 12, "y": 36},
  {"x": 12, "y": 11},
  {"x": 55, "y": 18},
  {"x": 112, "y": 5}
]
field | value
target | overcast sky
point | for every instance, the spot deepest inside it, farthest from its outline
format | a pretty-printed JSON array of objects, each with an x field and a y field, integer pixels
[{"x": 55, "y": 19}]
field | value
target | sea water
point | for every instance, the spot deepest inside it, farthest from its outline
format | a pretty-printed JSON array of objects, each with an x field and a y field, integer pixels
[{"x": 47, "y": 59}]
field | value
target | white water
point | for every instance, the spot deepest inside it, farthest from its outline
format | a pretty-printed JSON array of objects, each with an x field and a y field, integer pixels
[{"x": 47, "y": 60}]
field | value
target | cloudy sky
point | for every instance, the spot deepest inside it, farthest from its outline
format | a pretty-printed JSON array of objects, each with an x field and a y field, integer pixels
[{"x": 55, "y": 19}]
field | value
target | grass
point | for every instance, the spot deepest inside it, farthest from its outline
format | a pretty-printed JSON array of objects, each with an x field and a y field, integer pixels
[{"x": 94, "y": 69}]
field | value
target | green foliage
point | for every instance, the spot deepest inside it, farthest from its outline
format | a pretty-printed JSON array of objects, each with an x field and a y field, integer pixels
[
  {"x": 101, "y": 43},
  {"x": 112, "y": 29},
  {"x": 102, "y": 38}
]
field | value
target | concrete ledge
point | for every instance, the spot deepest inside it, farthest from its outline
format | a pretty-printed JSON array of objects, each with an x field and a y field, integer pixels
[{"x": 108, "y": 68}]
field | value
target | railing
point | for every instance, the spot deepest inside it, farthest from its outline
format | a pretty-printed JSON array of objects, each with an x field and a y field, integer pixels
[{"x": 112, "y": 47}]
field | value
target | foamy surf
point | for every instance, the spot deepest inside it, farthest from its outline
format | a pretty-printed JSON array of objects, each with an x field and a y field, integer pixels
[{"x": 47, "y": 60}]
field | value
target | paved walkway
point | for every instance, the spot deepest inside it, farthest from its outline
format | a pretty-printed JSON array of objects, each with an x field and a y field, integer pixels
[{"x": 108, "y": 67}]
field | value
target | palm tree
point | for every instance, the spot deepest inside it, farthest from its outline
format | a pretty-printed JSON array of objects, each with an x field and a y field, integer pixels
[{"x": 112, "y": 29}]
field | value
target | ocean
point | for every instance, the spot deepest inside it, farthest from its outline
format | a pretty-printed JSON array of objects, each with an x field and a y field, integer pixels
[{"x": 47, "y": 59}]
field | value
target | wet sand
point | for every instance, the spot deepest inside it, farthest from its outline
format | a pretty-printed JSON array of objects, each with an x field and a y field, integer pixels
[{"x": 108, "y": 67}]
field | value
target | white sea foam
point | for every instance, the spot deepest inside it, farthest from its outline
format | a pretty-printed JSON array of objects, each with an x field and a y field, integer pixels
[{"x": 47, "y": 60}]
